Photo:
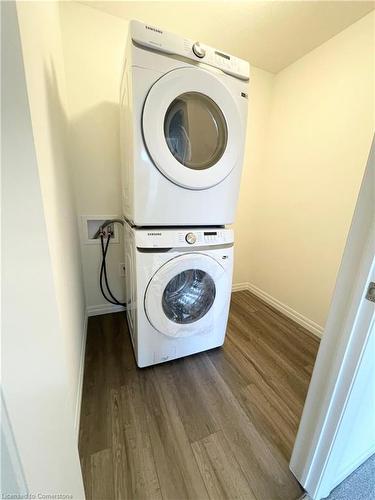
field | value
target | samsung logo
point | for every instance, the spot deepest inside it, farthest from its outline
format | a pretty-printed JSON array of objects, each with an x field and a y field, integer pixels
[
  {"x": 153, "y": 234},
  {"x": 154, "y": 29}
]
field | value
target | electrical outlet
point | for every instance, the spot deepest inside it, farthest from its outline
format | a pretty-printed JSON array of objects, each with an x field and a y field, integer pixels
[{"x": 122, "y": 269}]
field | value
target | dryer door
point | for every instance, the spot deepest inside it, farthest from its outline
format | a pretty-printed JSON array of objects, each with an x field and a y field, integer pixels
[
  {"x": 186, "y": 294},
  {"x": 192, "y": 128}
]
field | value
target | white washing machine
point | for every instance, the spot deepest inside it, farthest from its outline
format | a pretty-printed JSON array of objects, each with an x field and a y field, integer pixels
[
  {"x": 178, "y": 284},
  {"x": 183, "y": 108}
]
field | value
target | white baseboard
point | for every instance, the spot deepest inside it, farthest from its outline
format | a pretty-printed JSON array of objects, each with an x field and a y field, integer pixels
[
  {"x": 103, "y": 309},
  {"x": 237, "y": 287},
  {"x": 299, "y": 318},
  {"x": 77, "y": 415}
]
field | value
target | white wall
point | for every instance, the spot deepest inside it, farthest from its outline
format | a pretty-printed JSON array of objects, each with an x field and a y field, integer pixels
[
  {"x": 45, "y": 77},
  {"x": 94, "y": 45},
  {"x": 260, "y": 101},
  {"x": 35, "y": 373},
  {"x": 319, "y": 137}
]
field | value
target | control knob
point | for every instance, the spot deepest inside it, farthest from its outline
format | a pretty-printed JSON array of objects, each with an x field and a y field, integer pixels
[
  {"x": 198, "y": 50},
  {"x": 191, "y": 238}
]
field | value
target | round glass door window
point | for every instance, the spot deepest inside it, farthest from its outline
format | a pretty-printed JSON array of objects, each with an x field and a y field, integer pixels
[
  {"x": 195, "y": 130},
  {"x": 188, "y": 296}
]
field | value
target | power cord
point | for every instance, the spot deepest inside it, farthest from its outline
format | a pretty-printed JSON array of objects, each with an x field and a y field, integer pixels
[{"x": 103, "y": 268}]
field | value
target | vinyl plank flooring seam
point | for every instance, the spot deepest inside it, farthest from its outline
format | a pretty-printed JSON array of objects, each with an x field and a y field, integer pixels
[
  {"x": 260, "y": 327},
  {"x": 181, "y": 472},
  {"x": 118, "y": 449},
  {"x": 154, "y": 459},
  {"x": 142, "y": 469},
  {"x": 269, "y": 380},
  {"x": 243, "y": 389},
  {"x": 267, "y": 308},
  {"x": 281, "y": 377},
  {"x": 179, "y": 402},
  {"x": 265, "y": 439},
  {"x": 242, "y": 416},
  {"x": 314, "y": 340},
  {"x": 190, "y": 448},
  {"x": 290, "y": 415},
  {"x": 157, "y": 473},
  {"x": 102, "y": 487},
  {"x": 213, "y": 464},
  {"x": 281, "y": 339}
]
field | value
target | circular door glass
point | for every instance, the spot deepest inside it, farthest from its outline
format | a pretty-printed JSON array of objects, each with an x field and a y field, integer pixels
[
  {"x": 195, "y": 130},
  {"x": 188, "y": 296}
]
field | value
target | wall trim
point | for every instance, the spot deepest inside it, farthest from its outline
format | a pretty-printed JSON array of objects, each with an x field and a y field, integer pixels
[
  {"x": 77, "y": 416},
  {"x": 103, "y": 309},
  {"x": 237, "y": 287},
  {"x": 299, "y": 318}
]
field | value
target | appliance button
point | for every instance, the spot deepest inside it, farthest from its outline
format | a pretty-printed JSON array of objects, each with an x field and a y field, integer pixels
[
  {"x": 190, "y": 238},
  {"x": 198, "y": 50}
]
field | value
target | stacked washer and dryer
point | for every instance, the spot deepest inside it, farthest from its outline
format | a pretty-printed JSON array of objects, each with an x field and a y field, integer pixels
[{"x": 183, "y": 108}]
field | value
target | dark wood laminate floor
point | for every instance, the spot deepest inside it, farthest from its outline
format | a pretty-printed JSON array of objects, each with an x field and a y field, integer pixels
[{"x": 219, "y": 424}]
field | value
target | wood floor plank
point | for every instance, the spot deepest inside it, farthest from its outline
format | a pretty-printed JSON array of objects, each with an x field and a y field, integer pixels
[
  {"x": 219, "y": 424},
  {"x": 267, "y": 364},
  {"x": 266, "y": 330},
  {"x": 94, "y": 435},
  {"x": 140, "y": 472},
  {"x": 267, "y": 419},
  {"x": 101, "y": 475},
  {"x": 195, "y": 415},
  {"x": 119, "y": 458},
  {"x": 282, "y": 341},
  {"x": 178, "y": 472},
  {"x": 268, "y": 478},
  {"x": 86, "y": 474},
  {"x": 249, "y": 303},
  {"x": 108, "y": 360},
  {"x": 239, "y": 372},
  {"x": 220, "y": 470},
  {"x": 270, "y": 413}
]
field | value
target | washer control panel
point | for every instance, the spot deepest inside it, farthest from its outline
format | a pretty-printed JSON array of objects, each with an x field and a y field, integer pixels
[
  {"x": 169, "y": 43},
  {"x": 177, "y": 238},
  {"x": 206, "y": 237}
]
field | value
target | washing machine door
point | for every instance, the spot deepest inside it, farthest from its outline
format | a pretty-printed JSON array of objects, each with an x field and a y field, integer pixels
[
  {"x": 192, "y": 128},
  {"x": 186, "y": 294}
]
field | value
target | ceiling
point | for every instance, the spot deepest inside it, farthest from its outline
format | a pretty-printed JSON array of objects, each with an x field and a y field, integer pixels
[{"x": 269, "y": 34}]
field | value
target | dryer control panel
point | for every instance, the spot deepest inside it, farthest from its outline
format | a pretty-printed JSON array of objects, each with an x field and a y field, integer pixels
[
  {"x": 169, "y": 43},
  {"x": 179, "y": 238}
]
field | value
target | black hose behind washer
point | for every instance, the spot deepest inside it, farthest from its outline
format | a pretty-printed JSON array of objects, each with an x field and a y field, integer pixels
[{"x": 103, "y": 267}]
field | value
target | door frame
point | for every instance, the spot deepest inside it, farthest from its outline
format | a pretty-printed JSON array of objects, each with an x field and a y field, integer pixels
[{"x": 345, "y": 336}]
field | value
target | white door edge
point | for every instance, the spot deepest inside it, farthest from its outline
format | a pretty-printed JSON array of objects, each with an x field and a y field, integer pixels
[{"x": 341, "y": 347}]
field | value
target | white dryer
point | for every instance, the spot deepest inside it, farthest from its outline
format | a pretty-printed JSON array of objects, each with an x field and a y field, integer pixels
[
  {"x": 183, "y": 108},
  {"x": 178, "y": 285}
]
